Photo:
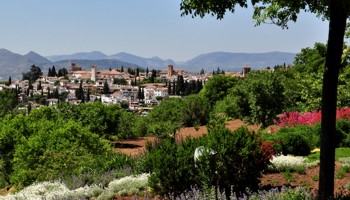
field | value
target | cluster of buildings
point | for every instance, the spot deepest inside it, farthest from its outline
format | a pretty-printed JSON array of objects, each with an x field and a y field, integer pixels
[{"x": 95, "y": 80}]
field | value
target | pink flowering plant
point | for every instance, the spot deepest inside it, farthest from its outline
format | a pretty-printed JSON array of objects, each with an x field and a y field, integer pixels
[{"x": 307, "y": 118}]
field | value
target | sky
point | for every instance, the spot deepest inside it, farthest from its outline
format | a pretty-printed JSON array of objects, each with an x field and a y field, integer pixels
[{"x": 145, "y": 28}]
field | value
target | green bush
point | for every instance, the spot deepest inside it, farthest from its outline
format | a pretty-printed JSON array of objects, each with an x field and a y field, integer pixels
[
  {"x": 295, "y": 144},
  {"x": 55, "y": 148},
  {"x": 240, "y": 160},
  {"x": 343, "y": 133},
  {"x": 299, "y": 140},
  {"x": 171, "y": 166},
  {"x": 235, "y": 163}
]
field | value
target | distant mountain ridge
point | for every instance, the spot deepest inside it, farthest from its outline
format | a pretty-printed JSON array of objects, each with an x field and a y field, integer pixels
[
  {"x": 225, "y": 60},
  {"x": 233, "y": 61},
  {"x": 13, "y": 64}
]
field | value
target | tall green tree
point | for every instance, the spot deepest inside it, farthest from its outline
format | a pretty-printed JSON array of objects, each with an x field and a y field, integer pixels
[
  {"x": 311, "y": 60},
  {"x": 53, "y": 71},
  {"x": 34, "y": 73},
  {"x": 10, "y": 81},
  {"x": 105, "y": 88},
  {"x": 280, "y": 12},
  {"x": 217, "y": 86}
]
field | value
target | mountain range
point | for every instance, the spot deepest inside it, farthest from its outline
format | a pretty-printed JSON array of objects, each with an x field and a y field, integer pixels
[{"x": 13, "y": 64}]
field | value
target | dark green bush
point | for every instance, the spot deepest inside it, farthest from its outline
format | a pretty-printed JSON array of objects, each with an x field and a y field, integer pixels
[
  {"x": 171, "y": 166},
  {"x": 298, "y": 140},
  {"x": 236, "y": 162},
  {"x": 294, "y": 143},
  {"x": 343, "y": 133},
  {"x": 240, "y": 159}
]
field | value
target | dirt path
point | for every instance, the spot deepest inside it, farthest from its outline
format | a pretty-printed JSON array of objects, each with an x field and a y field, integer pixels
[{"x": 136, "y": 147}]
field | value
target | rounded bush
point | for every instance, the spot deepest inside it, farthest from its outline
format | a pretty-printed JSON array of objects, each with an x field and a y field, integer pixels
[{"x": 295, "y": 144}]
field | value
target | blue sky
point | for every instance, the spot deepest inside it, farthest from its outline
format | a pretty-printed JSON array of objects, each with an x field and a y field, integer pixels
[{"x": 145, "y": 28}]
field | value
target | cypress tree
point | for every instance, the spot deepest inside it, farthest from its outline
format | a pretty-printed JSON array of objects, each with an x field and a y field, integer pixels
[
  {"x": 53, "y": 71},
  {"x": 88, "y": 95}
]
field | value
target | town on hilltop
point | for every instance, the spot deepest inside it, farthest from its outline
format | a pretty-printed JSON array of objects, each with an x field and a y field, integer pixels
[{"x": 136, "y": 89}]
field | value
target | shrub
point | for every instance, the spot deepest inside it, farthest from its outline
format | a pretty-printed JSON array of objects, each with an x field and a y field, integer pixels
[
  {"x": 307, "y": 118},
  {"x": 239, "y": 160},
  {"x": 343, "y": 133},
  {"x": 295, "y": 144},
  {"x": 171, "y": 166},
  {"x": 298, "y": 140}
]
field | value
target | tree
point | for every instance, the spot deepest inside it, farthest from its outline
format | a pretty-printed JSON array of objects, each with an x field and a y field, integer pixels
[
  {"x": 217, "y": 86},
  {"x": 311, "y": 60},
  {"x": 8, "y": 102},
  {"x": 105, "y": 88},
  {"x": 88, "y": 95},
  {"x": 53, "y": 71},
  {"x": 265, "y": 96},
  {"x": 49, "y": 73},
  {"x": 34, "y": 73},
  {"x": 280, "y": 13},
  {"x": 39, "y": 86},
  {"x": 79, "y": 93},
  {"x": 10, "y": 81}
]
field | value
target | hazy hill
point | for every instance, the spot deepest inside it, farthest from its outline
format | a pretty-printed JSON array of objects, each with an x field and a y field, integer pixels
[
  {"x": 151, "y": 63},
  {"x": 225, "y": 60},
  {"x": 94, "y": 55},
  {"x": 235, "y": 61},
  {"x": 101, "y": 64},
  {"x": 12, "y": 64}
]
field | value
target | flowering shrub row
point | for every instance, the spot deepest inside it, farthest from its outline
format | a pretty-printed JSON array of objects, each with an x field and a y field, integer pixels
[
  {"x": 58, "y": 190},
  {"x": 307, "y": 118}
]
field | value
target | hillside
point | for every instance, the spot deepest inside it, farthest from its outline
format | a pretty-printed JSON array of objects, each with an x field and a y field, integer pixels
[{"x": 13, "y": 64}]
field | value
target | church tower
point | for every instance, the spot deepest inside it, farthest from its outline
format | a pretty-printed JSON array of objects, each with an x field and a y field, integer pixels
[{"x": 93, "y": 72}]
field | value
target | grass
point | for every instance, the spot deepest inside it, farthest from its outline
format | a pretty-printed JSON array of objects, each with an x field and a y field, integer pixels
[
  {"x": 288, "y": 176},
  {"x": 339, "y": 153}
]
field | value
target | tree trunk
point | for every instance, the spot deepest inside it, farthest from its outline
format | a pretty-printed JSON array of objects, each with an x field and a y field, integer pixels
[{"x": 337, "y": 24}]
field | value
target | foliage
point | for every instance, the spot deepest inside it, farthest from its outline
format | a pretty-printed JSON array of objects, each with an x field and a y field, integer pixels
[
  {"x": 311, "y": 60},
  {"x": 226, "y": 107},
  {"x": 49, "y": 144},
  {"x": 196, "y": 110},
  {"x": 216, "y": 87},
  {"x": 258, "y": 98},
  {"x": 298, "y": 140},
  {"x": 55, "y": 148},
  {"x": 8, "y": 102},
  {"x": 104, "y": 120},
  {"x": 307, "y": 118},
  {"x": 266, "y": 97},
  {"x": 171, "y": 166},
  {"x": 163, "y": 120},
  {"x": 239, "y": 160},
  {"x": 237, "y": 163},
  {"x": 34, "y": 73}
]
